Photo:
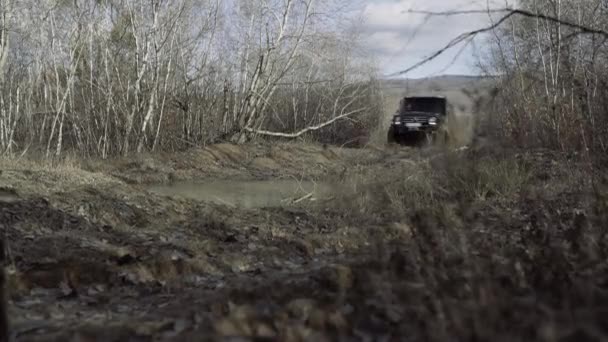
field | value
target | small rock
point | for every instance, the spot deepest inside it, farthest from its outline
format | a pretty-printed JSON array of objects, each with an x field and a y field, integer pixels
[
  {"x": 241, "y": 312},
  {"x": 265, "y": 331},
  {"x": 229, "y": 327},
  {"x": 338, "y": 321},
  {"x": 338, "y": 277},
  {"x": 403, "y": 229},
  {"x": 300, "y": 308},
  {"x": 318, "y": 319}
]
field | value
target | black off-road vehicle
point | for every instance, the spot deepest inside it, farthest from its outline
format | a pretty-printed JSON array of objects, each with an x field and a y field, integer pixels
[{"x": 419, "y": 118}]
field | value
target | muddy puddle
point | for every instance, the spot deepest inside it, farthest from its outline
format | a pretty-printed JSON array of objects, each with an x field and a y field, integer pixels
[{"x": 249, "y": 194}]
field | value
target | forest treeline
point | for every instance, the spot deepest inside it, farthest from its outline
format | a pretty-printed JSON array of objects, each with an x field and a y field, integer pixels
[
  {"x": 111, "y": 77},
  {"x": 553, "y": 65}
]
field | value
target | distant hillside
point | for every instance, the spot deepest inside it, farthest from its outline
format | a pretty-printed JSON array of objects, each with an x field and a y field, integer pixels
[
  {"x": 438, "y": 83},
  {"x": 461, "y": 90}
]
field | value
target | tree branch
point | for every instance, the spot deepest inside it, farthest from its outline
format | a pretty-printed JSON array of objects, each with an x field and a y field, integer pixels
[
  {"x": 472, "y": 34},
  {"x": 304, "y": 130}
]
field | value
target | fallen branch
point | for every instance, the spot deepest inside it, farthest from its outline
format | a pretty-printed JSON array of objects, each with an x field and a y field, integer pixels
[
  {"x": 305, "y": 197},
  {"x": 304, "y": 130}
]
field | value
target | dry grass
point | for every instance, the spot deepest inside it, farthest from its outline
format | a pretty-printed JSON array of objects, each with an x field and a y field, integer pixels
[
  {"x": 472, "y": 245},
  {"x": 460, "y": 128},
  {"x": 503, "y": 247},
  {"x": 62, "y": 174},
  {"x": 411, "y": 185}
]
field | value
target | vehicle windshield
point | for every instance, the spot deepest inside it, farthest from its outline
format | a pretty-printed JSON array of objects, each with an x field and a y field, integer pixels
[{"x": 423, "y": 104}]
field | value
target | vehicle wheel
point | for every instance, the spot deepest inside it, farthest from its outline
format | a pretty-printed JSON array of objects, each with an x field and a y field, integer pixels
[{"x": 390, "y": 138}]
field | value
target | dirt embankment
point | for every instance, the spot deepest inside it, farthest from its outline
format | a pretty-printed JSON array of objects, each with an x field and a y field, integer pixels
[
  {"x": 90, "y": 247},
  {"x": 419, "y": 244},
  {"x": 229, "y": 161}
]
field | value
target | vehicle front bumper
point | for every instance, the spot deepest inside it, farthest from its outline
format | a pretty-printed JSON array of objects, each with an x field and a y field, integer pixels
[{"x": 404, "y": 128}]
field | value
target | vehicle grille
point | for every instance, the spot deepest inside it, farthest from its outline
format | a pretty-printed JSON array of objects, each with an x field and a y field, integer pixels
[{"x": 414, "y": 119}]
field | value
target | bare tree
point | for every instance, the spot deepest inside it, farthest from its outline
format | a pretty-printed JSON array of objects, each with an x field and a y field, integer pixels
[
  {"x": 114, "y": 77},
  {"x": 5, "y": 20},
  {"x": 552, "y": 96}
]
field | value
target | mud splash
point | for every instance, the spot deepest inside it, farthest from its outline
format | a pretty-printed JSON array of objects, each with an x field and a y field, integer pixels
[{"x": 249, "y": 194}]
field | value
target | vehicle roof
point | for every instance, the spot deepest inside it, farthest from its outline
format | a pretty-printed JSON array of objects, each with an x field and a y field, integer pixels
[{"x": 426, "y": 97}]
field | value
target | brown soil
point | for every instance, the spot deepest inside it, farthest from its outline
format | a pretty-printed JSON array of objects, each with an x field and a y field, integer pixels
[
  {"x": 94, "y": 257},
  {"x": 228, "y": 161}
]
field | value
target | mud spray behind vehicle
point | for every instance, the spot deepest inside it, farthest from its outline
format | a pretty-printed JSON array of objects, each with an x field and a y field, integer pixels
[{"x": 420, "y": 117}]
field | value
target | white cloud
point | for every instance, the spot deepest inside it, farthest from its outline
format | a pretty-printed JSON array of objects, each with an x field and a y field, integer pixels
[
  {"x": 400, "y": 38},
  {"x": 387, "y": 15}
]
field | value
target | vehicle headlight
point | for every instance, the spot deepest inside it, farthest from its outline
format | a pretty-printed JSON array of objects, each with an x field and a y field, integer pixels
[
  {"x": 432, "y": 121},
  {"x": 397, "y": 122}
]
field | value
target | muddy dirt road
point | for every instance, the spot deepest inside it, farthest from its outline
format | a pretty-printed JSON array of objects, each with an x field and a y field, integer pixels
[{"x": 109, "y": 251}]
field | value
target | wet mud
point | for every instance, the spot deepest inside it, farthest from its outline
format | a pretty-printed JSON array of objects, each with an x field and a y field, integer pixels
[{"x": 96, "y": 257}]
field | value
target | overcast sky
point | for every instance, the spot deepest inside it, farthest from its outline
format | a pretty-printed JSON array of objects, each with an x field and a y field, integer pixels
[{"x": 400, "y": 39}]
